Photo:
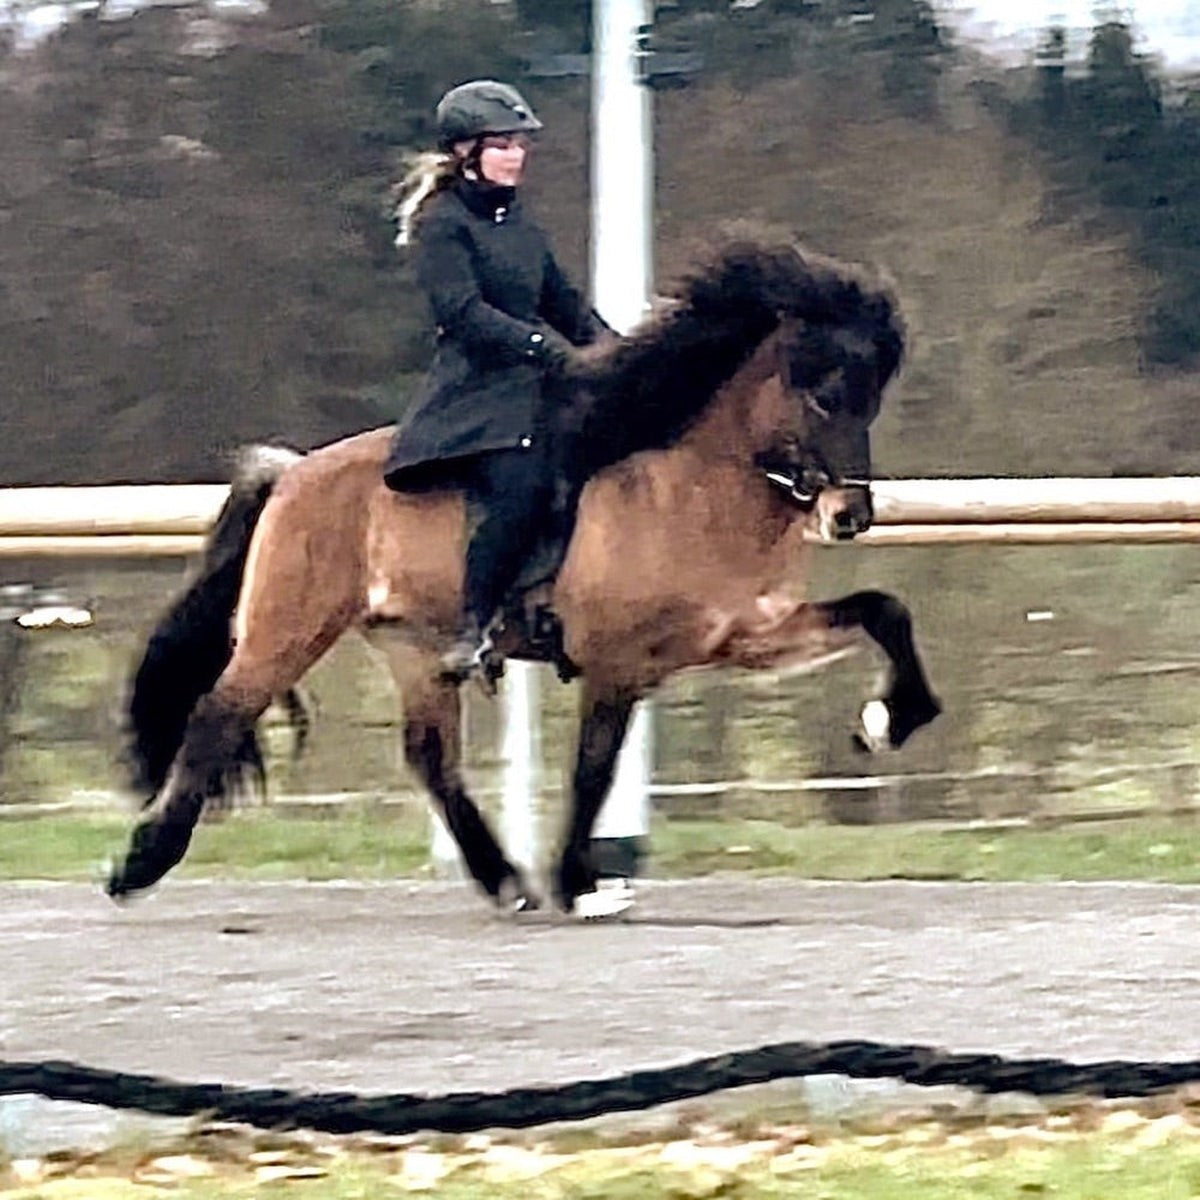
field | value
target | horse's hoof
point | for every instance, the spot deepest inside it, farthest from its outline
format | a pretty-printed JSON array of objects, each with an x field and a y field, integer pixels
[
  {"x": 874, "y": 727},
  {"x": 912, "y": 713},
  {"x": 515, "y": 898},
  {"x": 611, "y": 898},
  {"x": 115, "y": 885}
]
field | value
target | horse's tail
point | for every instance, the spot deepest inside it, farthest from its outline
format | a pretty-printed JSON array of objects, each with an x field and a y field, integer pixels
[{"x": 192, "y": 643}]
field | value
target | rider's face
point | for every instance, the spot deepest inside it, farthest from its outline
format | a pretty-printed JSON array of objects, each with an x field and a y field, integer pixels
[{"x": 502, "y": 158}]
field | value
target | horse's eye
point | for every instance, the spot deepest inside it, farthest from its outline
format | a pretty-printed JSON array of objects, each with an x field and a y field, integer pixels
[{"x": 830, "y": 396}]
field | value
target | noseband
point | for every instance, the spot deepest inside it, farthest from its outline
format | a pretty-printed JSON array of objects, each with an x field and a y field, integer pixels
[
  {"x": 805, "y": 486},
  {"x": 802, "y": 487}
]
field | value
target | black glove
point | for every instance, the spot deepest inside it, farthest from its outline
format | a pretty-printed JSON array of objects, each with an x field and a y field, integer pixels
[{"x": 551, "y": 350}]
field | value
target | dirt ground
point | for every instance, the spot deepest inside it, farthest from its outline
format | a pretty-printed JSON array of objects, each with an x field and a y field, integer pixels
[{"x": 419, "y": 987}]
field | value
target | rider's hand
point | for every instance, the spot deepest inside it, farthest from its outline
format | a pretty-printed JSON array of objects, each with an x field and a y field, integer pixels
[{"x": 551, "y": 350}]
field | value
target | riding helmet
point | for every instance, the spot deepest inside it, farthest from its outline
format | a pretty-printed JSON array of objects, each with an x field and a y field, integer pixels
[{"x": 482, "y": 106}]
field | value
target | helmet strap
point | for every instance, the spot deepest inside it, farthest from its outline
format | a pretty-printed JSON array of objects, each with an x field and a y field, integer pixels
[{"x": 469, "y": 166}]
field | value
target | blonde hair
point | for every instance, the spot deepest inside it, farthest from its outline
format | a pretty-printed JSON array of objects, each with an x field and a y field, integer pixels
[{"x": 428, "y": 174}]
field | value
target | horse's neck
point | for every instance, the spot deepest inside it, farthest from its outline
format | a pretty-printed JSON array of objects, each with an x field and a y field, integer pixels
[
  {"x": 707, "y": 489},
  {"x": 744, "y": 417}
]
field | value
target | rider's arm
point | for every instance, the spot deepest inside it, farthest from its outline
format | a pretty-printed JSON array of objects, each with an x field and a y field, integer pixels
[
  {"x": 564, "y": 308},
  {"x": 445, "y": 273}
]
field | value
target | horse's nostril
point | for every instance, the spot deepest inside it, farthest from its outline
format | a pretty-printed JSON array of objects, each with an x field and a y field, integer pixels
[{"x": 849, "y": 522}]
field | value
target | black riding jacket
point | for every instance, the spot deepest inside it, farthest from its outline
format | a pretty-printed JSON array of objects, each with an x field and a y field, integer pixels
[{"x": 499, "y": 298}]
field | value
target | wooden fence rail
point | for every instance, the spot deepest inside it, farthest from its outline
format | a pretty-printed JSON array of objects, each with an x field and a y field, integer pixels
[{"x": 171, "y": 519}]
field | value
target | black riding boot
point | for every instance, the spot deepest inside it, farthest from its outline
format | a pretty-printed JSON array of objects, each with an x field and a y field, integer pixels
[{"x": 507, "y": 502}]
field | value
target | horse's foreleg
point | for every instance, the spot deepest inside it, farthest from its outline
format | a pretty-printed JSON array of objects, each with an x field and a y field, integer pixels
[
  {"x": 605, "y": 715},
  {"x": 433, "y": 751},
  {"x": 907, "y": 701}
]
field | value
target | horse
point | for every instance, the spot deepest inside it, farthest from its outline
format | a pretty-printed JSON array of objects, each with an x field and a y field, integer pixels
[{"x": 718, "y": 442}]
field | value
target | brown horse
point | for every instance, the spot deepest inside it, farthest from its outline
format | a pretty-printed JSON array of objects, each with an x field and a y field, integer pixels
[{"x": 717, "y": 442}]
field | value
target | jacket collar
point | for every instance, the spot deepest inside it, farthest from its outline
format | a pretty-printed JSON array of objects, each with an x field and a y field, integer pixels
[{"x": 485, "y": 199}]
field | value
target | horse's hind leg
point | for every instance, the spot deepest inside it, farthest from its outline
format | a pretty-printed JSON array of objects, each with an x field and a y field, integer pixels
[
  {"x": 218, "y": 747},
  {"x": 213, "y": 747},
  {"x": 605, "y": 713},
  {"x": 433, "y": 751},
  {"x": 274, "y": 649},
  {"x": 907, "y": 702}
]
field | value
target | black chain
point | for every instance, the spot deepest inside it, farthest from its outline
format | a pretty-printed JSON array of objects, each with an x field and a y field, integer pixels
[{"x": 464, "y": 1112}]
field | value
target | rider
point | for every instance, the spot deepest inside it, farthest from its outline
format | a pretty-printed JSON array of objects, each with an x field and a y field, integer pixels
[{"x": 507, "y": 321}]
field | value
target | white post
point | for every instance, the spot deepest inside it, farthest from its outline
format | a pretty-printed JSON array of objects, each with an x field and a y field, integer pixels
[
  {"x": 622, "y": 164},
  {"x": 447, "y": 862},
  {"x": 522, "y": 754},
  {"x": 443, "y": 849},
  {"x": 622, "y": 269},
  {"x": 626, "y": 812}
]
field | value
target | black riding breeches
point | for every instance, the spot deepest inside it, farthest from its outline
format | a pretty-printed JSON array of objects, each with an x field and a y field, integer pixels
[{"x": 509, "y": 500}]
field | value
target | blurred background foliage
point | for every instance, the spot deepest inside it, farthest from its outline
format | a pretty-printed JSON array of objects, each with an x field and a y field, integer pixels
[
  {"x": 196, "y": 247},
  {"x": 196, "y": 251}
]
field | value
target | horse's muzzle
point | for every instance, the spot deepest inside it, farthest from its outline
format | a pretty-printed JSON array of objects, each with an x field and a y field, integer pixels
[{"x": 844, "y": 512}]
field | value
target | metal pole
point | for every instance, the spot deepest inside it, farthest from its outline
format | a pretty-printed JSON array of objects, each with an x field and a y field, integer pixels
[
  {"x": 622, "y": 163},
  {"x": 622, "y": 270}
]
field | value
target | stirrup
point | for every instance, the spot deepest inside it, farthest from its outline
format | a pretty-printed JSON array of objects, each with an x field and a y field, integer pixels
[
  {"x": 490, "y": 669},
  {"x": 465, "y": 656},
  {"x": 547, "y": 637},
  {"x": 473, "y": 657}
]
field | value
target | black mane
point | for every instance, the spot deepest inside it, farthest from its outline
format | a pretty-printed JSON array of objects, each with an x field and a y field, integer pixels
[{"x": 650, "y": 388}]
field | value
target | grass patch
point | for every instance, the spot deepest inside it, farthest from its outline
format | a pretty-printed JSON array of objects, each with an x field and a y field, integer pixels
[
  {"x": 253, "y": 844},
  {"x": 1150, "y": 849},
  {"x": 1127, "y": 1157},
  {"x": 362, "y": 843}
]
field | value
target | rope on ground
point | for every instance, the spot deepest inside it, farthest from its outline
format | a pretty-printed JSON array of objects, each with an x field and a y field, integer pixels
[{"x": 465, "y": 1112}]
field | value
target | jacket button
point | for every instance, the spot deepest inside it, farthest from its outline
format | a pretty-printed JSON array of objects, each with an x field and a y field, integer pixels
[{"x": 526, "y": 442}]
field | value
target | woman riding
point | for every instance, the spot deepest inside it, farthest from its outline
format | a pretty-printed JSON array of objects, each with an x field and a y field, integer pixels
[{"x": 507, "y": 321}]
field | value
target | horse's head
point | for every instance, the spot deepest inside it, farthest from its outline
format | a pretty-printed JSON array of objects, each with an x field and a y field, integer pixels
[
  {"x": 833, "y": 373},
  {"x": 800, "y": 345}
]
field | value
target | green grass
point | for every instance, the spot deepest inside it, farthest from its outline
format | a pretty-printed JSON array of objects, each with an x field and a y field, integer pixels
[
  {"x": 247, "y": 845},
  {"x": 1147, "y": 849},
  {"x": 359, "y": 844},
  {"x": 1144, "y": 1162}
]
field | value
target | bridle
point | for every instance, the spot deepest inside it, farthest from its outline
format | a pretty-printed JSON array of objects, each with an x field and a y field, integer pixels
[{"x": 804, "y": 484}]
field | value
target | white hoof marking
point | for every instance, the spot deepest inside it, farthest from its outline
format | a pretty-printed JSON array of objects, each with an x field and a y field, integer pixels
[
  {"x": 610, "y": 899},
  {"x": 512, "y": 899},
  {"x": 876, "y": 724}
]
